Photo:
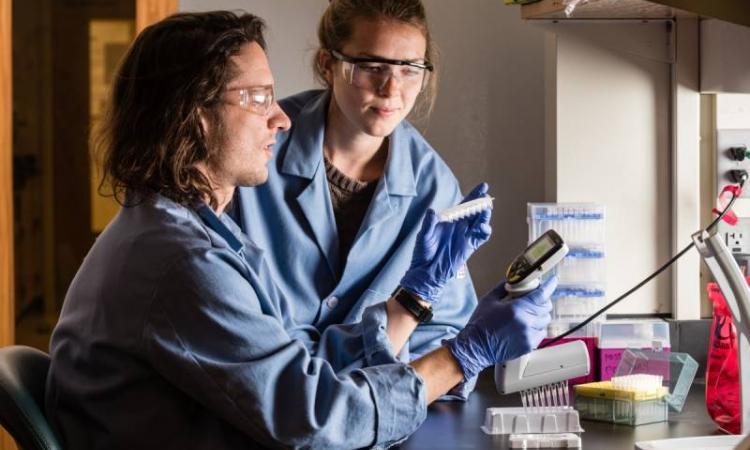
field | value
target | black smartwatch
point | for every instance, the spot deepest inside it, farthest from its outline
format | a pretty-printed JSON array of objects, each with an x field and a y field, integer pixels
[{"x": 410, "y": 303}]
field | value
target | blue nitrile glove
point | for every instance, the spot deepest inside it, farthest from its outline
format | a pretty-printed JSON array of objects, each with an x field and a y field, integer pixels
[
  {"x": 503, "y": 328},
  {"x": 442, "y": 248}
]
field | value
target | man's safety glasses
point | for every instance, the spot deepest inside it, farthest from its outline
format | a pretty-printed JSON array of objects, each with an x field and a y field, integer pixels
[
  {"x": 258, "y": 99},
  {"x": 374, "y": 73}
]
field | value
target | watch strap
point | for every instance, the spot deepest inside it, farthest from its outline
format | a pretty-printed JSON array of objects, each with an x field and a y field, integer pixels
[{"x": 410, "y": 303}]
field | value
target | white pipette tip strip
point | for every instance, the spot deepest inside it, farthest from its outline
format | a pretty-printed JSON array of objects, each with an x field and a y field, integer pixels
[{"x": 465, "y": 209}]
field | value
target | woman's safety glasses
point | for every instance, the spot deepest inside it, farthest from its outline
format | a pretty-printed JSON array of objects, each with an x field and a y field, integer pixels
[
  {"x": 257, "y": 99},
  {"x": 374, "y": 73}
]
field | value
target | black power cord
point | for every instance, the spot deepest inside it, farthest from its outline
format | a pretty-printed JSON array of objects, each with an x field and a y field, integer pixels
[{"x": 649, "y": 278}]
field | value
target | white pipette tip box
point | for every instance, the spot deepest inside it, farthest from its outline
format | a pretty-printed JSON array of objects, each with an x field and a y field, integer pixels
[
  {"x": 556, "y": 440},
  {"x": 519, "y": 420}
]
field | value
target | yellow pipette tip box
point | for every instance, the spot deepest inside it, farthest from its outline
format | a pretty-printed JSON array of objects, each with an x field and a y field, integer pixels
[
  {"x": 646, "y": 386},
  {"x": 605, "y": 389}
]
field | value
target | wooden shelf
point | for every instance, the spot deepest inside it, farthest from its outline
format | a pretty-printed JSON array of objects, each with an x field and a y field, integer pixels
[
  {"x": 597, "y": 9},
  {"x": 735, "y": 11}
]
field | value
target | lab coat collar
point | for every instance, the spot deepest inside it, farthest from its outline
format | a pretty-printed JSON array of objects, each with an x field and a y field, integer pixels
[
  {"x": 305, "y": 152},
  {"x": 303, "y": 158},
  {"x": 399, "y": 171},
  {"x": 215, "y": 223},
  {"x": 398, "y": 181},
  {"x": 231, "y": 235}
]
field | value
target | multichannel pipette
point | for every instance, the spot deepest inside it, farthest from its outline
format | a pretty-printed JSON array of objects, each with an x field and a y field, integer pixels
[{"x": 541, "y": 377}]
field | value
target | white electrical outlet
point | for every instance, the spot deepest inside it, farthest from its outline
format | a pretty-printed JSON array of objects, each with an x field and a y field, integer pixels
[
  {"x": 736, "y": 241},
  {"x": 737, "y": 237}
]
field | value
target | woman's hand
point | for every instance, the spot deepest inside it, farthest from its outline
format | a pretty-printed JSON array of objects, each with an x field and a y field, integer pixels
[{"x": 442, "y": 249}]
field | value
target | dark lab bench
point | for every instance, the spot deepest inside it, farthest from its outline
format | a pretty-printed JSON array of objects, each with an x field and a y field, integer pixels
[{"x": 455, "y": 425}]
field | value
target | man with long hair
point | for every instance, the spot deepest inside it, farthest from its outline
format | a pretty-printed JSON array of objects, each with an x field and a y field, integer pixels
[{"x": 173, "y": 333}]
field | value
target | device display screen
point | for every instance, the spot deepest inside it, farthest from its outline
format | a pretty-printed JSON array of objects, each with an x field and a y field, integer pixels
[{"x": 539, "y": 249}]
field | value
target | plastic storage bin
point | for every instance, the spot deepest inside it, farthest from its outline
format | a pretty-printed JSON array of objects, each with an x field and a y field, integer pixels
[
  {"x": 582, "y": 266},
  {"x": 602, "y": 402},
  {"x": 572, "y": 305},
  {"x": 616, "y": 336},
  {"x": 581, "y": 274},
  {"x": 639, "y": 403},
  {"x": 581, "y": 224},
  {"x": 677, "y": 369}
]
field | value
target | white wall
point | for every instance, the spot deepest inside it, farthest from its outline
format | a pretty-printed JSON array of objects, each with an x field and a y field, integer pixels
[
  {"x": 488, "y": 122},
  {"x": 732, "y": 111},
  {"x": 613, "y": 147},
  {"x": 291, "y": 35}
]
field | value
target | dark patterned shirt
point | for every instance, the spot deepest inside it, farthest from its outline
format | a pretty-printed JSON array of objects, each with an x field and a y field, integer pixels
[{"x": 350, "y": 199}]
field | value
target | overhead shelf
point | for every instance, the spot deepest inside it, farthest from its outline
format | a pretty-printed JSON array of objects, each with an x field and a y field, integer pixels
[
  {"x": 597, "y": 9},
  {"x": 735, "y": 11}
]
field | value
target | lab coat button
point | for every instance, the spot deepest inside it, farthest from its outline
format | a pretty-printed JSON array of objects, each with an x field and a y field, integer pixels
[{"x": 332, "y": 302}]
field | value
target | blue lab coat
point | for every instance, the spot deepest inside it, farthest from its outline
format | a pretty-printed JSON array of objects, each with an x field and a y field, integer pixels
[
  {"x": 174, "y": 336},
  {"x": 291, "y": 217}
]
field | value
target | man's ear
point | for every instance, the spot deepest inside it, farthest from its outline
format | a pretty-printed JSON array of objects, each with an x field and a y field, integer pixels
[
  {"x": 325, "y": 63},
  {"x": 205, "y": 123}
]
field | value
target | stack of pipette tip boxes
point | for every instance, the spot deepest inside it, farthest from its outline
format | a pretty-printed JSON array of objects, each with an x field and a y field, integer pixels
[{"x": 581, "y": 274}]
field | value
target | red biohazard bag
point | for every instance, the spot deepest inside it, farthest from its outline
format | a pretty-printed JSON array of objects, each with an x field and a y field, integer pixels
[{"x": 722, "y": 370}]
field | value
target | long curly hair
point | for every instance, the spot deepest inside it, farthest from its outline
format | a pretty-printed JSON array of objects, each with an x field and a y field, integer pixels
[{"x": 151, "y": 138}]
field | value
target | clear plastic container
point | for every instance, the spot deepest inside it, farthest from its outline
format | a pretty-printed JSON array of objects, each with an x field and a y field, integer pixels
[
  {"x": 582, "y": 266},
  {"x": 618, "y": 335},
  {"x": 579, "y": 224},
  {"x": 576, "y": 303},
  {"x": 639, "y": 404},
  {"x": 677, "y": 369},
  {"x": 639, "y": 334},
  {"x": 572, "y": 305},
  {"x": 559, "y": 326},
  {"x": 621, "y": 411},
  {"x": 582, "y": 273}
]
